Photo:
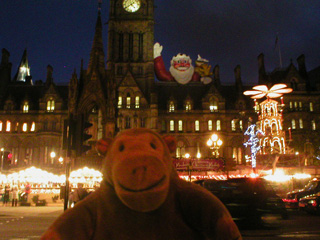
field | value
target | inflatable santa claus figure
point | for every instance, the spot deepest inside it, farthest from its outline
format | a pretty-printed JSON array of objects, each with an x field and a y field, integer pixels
[{"x": 181, "y": 69}]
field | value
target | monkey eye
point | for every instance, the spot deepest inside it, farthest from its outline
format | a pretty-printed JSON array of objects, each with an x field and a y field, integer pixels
[
  {"x": 153, "y": 145},
  {"x": 121, "y": 147}
]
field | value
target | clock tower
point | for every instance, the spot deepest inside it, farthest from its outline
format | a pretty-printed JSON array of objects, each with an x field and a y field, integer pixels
[{"x": 130, "y": 42}]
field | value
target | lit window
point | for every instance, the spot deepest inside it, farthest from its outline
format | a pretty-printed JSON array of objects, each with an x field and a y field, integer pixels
[
  {"x": 197, "y": 126},
  {"x": 50, "y": 105},
  {"x": 209, "y": 125},
  {"x": 241, "y": 125},
  {"x": 0, "y": 126},
  {"x": 171, "y": 106},
  {"x": 233, "y": 125},
  {"x": 137, "y": 104},
  {"x": 293, "y": 124},
  {"x": 8, "y": 126},
  {"x": 313, "y": 124},
  {"x": 26, "y": 107},
  {"x": 128, "y": 122},
  {"x": 180, "y": 126},
  {"x": 213, "y": 105},
  {"x": 171, "y": 125},
  {"x": 218, "y": 125},
  {"x": 300, "y": 105},
  {"x": 119, "y": 102},
  {"x": 128, "y": 101},
  {"x": 33, "y": 127},
  {"x": 300, "y": 123},
  {"x": 24, "y": 127},
  {"x": 311, "y": 106},
  {"x": 188, "y": 106},
  {"x": 290, "y": 104},
  {"x": 295, "y": 104}
]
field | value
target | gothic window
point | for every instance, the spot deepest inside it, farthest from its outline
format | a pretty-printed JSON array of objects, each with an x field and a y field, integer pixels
[
  {"x": 197, "y": 126},
  {"x": 209, "y": 125},
  {"x": 128, "y": 124},
  {"x": 233, "y": 125},
  {"x": 293, "y": 124},
  {"x": 180, "y": 126},
  {"x": 33, "y": 127},
  {"x": 119, "y": 102},
  {"x": 128, "y": 100},
  {"x": 213, "y": 105},
  {"x": 137, "y": 102},
  {"x": 25, "y": 107},
  {"x": 171, "y": 106},
  {"x": 311, "y": 106},
  {"x": 24, "y": 127},
  {"x": 313, "y": 125},
  {"x": 8, "y": 126},
  {"x": 120, "y": 46},
  {"x": 301, "y": 123},
  {"x": 218, "y": 125},
  {"x": 50, "y": 105},
  {"x": 130, "y": 46},
  {"x": 188, "y": 106},
  {"x": 171, "y": 128},
  {"x": 140, "y": 46}
]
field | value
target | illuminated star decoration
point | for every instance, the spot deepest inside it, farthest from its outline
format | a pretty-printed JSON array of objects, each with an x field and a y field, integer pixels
[
  {"x": 253, "y": 141},
  {"x": 275, "y": 91}
]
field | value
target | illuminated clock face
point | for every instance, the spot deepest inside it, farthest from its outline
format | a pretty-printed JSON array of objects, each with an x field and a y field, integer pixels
[{"x": 131, "y": 5}]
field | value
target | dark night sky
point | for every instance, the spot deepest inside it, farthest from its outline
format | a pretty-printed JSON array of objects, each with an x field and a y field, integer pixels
[{"x": 228, "y": 33}]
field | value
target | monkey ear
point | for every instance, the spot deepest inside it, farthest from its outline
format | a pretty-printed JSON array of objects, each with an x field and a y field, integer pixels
[
  {"x": 171, "y": 142},
  {"x": 102, "y": 146}
]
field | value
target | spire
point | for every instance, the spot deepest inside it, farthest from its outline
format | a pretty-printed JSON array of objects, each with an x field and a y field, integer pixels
[
  {"x": 23, "y": 70},
  {"x": 97, "y": 54}
]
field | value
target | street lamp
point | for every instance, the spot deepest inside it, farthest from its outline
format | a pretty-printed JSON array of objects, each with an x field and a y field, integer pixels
[
  {"x": 52, "y": 155},
  {"x": 215, "y": 143}
]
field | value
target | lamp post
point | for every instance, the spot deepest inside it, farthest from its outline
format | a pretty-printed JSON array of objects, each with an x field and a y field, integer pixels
[{"x": 215, "y": 143}]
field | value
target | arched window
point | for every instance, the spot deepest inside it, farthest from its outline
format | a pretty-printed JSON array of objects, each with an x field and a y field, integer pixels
[
  {"x": 293, "y": 124},
  {"x": 33, "y": 127},
  {"x": 233, "y": 125},
  {"x": 213, "y": 105},
  {"x": 218, "y": 125},
  {"x": 301, "y": 123},
  {"x": 313, "y": 125},
  {"x": 171, "y": 128},
  {"x": 209, "y": 125},
  {"x": 171, "y": 106},
  {"x": 188, "y": 106},
  {"x": 25, "y": 107},
  {"x": 50, "y": 105},
  {"x": 128, "y": 100},
  {"x": 180, "y": 125},
  {"x": 197, "y": 126},
  {"x": 8, "y": 126},
  {"x": 24, "y": 127},
  {"x": 180, "y": 150},
  {"x": 137, "y": 102},
  {"x": 311, "y": 106},
  {"x": 119, "y": 102}
]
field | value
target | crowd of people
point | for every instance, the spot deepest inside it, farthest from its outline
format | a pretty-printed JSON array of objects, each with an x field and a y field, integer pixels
[{"x": 10, "y": 194}]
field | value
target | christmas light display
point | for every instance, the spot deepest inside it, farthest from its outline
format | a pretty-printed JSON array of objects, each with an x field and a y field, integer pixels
[
  {"x": 270, "y": 117},
  {"x": 253, "y": 141}
]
